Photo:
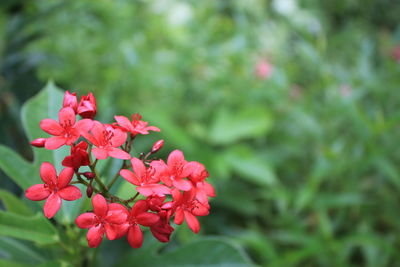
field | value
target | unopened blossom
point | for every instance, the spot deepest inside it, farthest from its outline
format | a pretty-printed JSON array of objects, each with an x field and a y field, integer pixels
[
  {"x": 70, "y": 100},
  {"x": 54, "y": 188},
  {"x": 106, "y": 140},
  {"x": 87, "y": 107},
  {"x": 144, "y": 178},
  {"x": 135, "y": 126},
  {"x": 105, "y": 219},
  {"x": 162, "y": 229},
  {"x": 39, "y": 142},
  {"x": 66, "y": 131},
  {"x": 78, "y": 157}
]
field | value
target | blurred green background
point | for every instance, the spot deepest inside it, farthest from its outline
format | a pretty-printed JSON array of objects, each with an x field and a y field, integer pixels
[{"x": 293, "y": 106}]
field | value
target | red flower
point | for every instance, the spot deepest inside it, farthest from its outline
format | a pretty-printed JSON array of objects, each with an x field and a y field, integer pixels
[
  {"x": 162, "y": 230},
  {"x": 139, "y": 215},
  {"x": 175, "y": 170},
  {"x": 70, "y": 101},
  {"x": 105, "y": 218},
  {"x": 136, "y": 126},
  {"x": 203, "y": 190},
  {"x": 87, "y": 107},
  {"x": 187, "y": 208},
  {"x": 106, "y": 139},
  {"x": 145, "y": 179},
  {"x": 66, "y": 131},
  {"x": 79, "y": 156},
  {"x": 54, "y": 188}
]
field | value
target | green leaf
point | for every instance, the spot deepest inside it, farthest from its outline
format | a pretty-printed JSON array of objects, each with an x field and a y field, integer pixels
[
  {"x": 15, "y": 167},
  {"x": 14, "y": 204},
  {"x": 12, "y": 263},
  {"x": 205, "y": 252},
  {"x": 231, "y": 126},
  {"x": 35, "y": 228},
  {"x": 12, "y": 249}
]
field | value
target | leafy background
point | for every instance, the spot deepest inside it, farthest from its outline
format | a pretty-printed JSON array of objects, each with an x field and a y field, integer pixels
[{"x": 305, "y": 161}]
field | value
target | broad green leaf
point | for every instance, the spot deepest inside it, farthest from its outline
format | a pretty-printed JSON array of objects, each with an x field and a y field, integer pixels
[
  {"x": 36, "y": 228},
  {"x": 12, "y": 249},
  {"x": 46, "y": 104},
  {"x": 15, "y": 167},
  {"x": 205, "y": 252},
  {"x": 231, "y": 126},
  {"x": 14, "y": 204}
]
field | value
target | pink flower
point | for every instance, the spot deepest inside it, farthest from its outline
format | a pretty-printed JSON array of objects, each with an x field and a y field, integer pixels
[
  {"x": 105, "y": 218},
  {"x": 187, "y": 208},
  {"x": 66, "y": 131},
  {"x": 174, "y": 172},
  {"x": 263, "y": 69},
  {"x": 144, "y": 178},
  {"x": 54, "y": 188},
  {"x": 79, "y": 156},
  {"x": 136, "y": 126},
  {"x": 87, "y": 107},
  {"x": 157, "y": 146},
  {"x": 139, "y": 216},
  {"x": 70, "y": 101},
  {"x": 106, "y": 140}
]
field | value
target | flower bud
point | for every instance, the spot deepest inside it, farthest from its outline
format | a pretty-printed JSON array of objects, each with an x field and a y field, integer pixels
[
  {"x": 39, "y": 142},
  {"x": 157, "y": 146},
  {"x": 87, "y": 106},
  {"x": 70, "y": 100},
  {"x": 89, "y": 191},
  {"x": 89, "y": 175}
]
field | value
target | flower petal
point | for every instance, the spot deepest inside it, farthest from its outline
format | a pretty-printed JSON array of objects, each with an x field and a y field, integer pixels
[
  {"x": 118, "y": 153},
  {"x": 139, "y": 207},
  {"x": 124, "y": 122},
  {"x": 176, "y": 158},
  {"x": 37, "y": 192},
  {"x": 66, "y": 116},
  {"x": 135, "y": 236},
  {"x": 182, "y": 184},
  {"x": 179, "y": 216},
  {"x": 55, "y": 142},
  {"x": 48, "y": 173},
  {"x": 86, "y": 220},
  {"x": 100, "y": 153},
  {"x": 117, "y": 214},
  {"x": 51, "y": 126},
  {"x": 83, "y": 126},
  {"x": 129, "y": 176},
  {"x": 52, "y": 205},
  {"x": 65, "y": 177},
  {"x": 192, "y": 222},
  {"x": 118, "y": 138},
  {"x": 147, "y": 218},
  {"x": 100, "y": 206},
  {"x": 70, "y": 193},
  {"x": 111, "y": 232},
  {"x": 138, "y": 167},
  {"x": 95, "y": 235}
]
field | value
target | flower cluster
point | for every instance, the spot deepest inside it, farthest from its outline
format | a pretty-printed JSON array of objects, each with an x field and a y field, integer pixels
[{"x": 175, "y": 190}]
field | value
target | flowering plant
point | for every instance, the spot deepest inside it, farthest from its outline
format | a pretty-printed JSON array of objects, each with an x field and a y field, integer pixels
[{"x": 173, "y": 190}]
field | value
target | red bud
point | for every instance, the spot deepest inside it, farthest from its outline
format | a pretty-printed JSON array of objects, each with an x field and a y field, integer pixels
[
  {"x": 157, "y": 146},
  {"x": 38, "y": 142},
  {"x": 89, "y": 175},
  {"x": 89, "y": 191}
]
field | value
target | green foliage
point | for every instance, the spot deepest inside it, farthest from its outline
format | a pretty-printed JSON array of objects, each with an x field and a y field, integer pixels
[{"x": 305, "y": 162}]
